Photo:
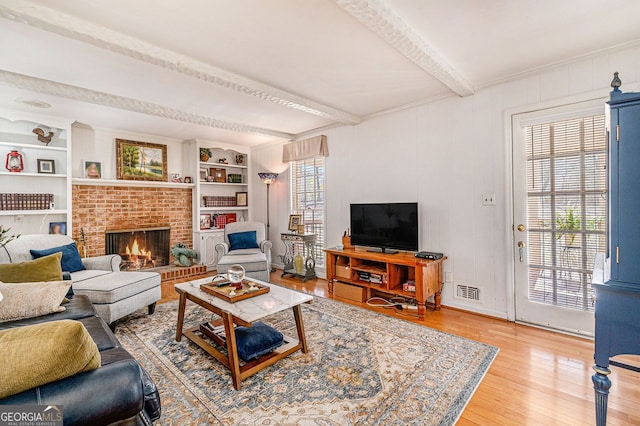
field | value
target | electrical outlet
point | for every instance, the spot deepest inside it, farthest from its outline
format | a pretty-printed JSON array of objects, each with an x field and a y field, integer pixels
[
  {"x": 489, "y": 199},
  {"x": 19, "y": 218}
]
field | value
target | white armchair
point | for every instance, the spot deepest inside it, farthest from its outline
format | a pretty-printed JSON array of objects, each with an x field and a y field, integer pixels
[{"x": 253, "y": 253}]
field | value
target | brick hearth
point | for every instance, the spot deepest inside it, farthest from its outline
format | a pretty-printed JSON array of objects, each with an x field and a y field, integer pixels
[
  {"x": 168, "y": 273},
  {"x": 97, "y": 208}
]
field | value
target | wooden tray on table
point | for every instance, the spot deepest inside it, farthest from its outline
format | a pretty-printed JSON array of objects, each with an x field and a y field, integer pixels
[{"x": 240, "y": 294}]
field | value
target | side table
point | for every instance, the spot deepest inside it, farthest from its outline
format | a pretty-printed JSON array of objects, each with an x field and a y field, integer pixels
[{"x": 308, "y": 243}]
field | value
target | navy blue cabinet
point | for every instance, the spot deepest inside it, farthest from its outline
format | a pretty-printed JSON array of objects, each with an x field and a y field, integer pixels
[
  {"x": 618, "y": 292},
  {"x": 624, "y": 179}
]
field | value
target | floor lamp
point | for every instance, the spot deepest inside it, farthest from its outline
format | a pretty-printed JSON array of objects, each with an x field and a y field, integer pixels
[{"x": 268, "y": 179}]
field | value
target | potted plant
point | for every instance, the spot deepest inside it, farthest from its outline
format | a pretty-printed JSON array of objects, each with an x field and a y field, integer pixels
[
  {"x": 6, "y": 239},
  {"x": 568, "y": 221},
  {"x": 205, "y": 154}
]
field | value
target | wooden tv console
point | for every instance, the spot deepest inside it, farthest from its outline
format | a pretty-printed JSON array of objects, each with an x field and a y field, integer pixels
[{"x": 346, "y": 265}]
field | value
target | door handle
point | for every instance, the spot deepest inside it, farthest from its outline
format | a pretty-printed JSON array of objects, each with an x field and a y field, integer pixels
[
  {"x": 521, "y": 246},
  {"x": 521, "y": 228}
]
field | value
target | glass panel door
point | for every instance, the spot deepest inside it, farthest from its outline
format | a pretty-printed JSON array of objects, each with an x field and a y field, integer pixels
[{"x": 560, "y": 198}]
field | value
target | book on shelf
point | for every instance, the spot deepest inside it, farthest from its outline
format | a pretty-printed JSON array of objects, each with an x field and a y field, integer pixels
[{"x": 16, "y": 201}]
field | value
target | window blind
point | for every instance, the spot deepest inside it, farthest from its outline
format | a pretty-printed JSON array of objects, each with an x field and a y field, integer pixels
[
  {"x": 307, "y": 200},
  {"x": 566, "y": 208}
]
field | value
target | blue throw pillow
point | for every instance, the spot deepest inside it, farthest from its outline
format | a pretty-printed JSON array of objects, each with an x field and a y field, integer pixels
[
  {"x": 243, "y": 240},
  {"x": 257, "y": 340},
  {"x": 70, "y": 261}
]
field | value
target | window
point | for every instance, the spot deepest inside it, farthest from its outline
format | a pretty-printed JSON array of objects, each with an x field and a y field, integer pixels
[
  {"x": 307, "y": 199},
  {"x": 566, "y": 208}
]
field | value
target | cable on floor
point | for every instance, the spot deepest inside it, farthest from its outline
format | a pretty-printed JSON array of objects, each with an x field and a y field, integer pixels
[{"x": 398, "y": 302}]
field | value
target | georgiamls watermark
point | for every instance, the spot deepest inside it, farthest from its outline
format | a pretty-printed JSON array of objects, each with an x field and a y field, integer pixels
[{"x": 31, "y": 415}]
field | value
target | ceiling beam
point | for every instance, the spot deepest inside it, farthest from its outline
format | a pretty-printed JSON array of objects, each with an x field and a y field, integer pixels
[
  {"x": 378, "y": 17},
  {"x": 87, "y": 32},
  {"x": 77, "y": 93}
]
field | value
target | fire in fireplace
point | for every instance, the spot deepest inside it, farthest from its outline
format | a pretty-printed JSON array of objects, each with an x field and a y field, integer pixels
[{"x": 139, "y": 248}]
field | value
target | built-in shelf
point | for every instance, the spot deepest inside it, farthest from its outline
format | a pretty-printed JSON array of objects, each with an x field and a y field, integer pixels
[
  {"x": 122, "y": 182},
  {"x": 211, "y": 231},
  {"x": 222, "y": 209},
  {"x": 223, "y": 183},
  {"x": 232, "y": 178},
  {"x": 235, "y": 166},
  {"x": 32, "y": 146},
  {"x": 31, "y": 212},
  {"x": 21, "y": 174},
  {"x": 16, "y": 133}
]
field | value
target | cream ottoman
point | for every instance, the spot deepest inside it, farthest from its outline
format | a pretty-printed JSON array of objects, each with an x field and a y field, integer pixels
[{"x": 116, "y": 294}]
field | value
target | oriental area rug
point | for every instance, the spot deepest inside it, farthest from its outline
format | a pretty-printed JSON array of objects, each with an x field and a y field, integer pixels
[{"x": 362, "y": 368}]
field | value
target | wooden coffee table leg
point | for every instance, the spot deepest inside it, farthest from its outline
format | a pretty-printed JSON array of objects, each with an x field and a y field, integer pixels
[
  {"x": 232, "y": 349},
  {"x": 297, "y": 313},
  {"x": 181, "y": 305}
]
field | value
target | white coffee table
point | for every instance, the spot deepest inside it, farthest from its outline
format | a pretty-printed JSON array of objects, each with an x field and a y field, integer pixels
[{"x": 244, "y": 313}]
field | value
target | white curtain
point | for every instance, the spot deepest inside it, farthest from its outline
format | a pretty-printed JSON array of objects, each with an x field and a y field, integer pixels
[{"x": 307, "y": 148}]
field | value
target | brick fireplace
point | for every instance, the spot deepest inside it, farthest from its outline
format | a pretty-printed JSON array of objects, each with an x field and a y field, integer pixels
[
  {"x": 140, "y": 248},
  {"x": 98, "y": 208}
]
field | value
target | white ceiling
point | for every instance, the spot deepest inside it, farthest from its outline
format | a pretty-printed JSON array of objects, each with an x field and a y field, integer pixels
[{"x": 253, "y": 71}]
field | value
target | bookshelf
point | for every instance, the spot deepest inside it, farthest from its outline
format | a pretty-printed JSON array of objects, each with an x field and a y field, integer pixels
[
  {"x": 217, "y": 181},
  {"x": 16, "y": 133}
]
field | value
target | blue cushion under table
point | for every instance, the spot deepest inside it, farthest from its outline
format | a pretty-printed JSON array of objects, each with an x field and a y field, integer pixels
[{"x": 257, "y": 340}]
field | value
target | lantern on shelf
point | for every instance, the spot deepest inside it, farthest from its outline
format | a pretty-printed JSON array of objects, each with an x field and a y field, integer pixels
[{"x": 14, "y": 161}]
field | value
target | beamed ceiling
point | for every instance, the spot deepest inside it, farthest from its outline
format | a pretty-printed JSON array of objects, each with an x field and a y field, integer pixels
[{"x": 254, "y": 71}]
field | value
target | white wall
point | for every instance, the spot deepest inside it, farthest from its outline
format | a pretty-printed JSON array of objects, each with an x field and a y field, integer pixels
[
  {"x": 98, "y": 144},
  {"x": 445, "y": 155},
  {"x": 268, "y": 158}
]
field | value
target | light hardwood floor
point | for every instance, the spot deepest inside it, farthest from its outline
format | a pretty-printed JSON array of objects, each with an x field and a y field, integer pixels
[{"x": 538, "y": 378}]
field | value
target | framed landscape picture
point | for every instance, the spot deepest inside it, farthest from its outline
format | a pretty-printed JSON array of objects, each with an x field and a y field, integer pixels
[{"x": 141, "y": 160}]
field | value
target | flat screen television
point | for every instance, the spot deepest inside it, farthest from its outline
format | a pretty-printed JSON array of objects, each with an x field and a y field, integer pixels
[{"x": 385, "y": 226}]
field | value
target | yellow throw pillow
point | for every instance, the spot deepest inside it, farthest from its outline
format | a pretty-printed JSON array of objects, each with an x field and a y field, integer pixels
[
  {"x": 28, "y": 300},
  {"x": 43, "y": 269},
  {"x": 38, "y": 354}
]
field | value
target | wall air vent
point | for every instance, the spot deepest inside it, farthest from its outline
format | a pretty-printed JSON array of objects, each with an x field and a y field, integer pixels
[{"x": 467, "y": 292}]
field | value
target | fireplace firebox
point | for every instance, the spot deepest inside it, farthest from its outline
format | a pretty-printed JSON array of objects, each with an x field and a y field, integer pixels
[{"x": 139, "y": 248}]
